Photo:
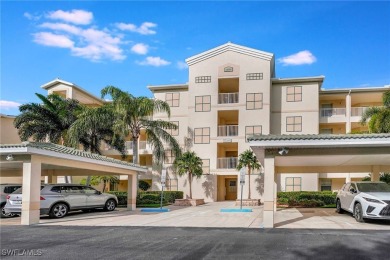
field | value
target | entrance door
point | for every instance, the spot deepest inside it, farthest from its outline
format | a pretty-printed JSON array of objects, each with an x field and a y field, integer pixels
[{"x": 231, "y": 188}]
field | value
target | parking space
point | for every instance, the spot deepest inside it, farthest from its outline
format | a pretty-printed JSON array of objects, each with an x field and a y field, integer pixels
[{"x": 209, "y": 215}]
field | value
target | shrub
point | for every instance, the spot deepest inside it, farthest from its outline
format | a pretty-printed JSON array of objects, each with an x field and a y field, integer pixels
[
  {"x": 148, "y": 197},
  {"x": 143, "y": 185},
  {"x": 307, "y": 198}
]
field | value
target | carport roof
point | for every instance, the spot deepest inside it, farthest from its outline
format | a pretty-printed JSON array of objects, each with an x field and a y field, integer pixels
[
  {"x": 55, "y": 149},
  {"x": 351, "y": 140}
]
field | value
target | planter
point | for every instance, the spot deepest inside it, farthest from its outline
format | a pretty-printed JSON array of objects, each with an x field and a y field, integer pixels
[
  {"x": 251, "y": 202},
  {"x": 188, "y": 202}
]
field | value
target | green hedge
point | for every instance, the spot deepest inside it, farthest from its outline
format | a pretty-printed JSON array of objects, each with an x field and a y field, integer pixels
[
  {"x": 149, "y": 197},
  {"x": 307, "y": 198}
]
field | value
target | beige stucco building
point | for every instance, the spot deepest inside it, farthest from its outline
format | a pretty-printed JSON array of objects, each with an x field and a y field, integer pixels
[{"x": 233, "y": 93}]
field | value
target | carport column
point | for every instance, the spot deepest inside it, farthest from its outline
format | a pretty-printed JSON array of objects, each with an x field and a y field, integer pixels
[
  {"x": 375, "y": 174},
  {"x": 348, "y": 113},
  {"x": 348, "y": 178},
  {"x": 31, "y": 191},
  {"x": 269, "y": 186},
  {"x": 131, "y": 191}
]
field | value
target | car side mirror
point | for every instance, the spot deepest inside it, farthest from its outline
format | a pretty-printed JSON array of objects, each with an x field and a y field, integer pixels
[{"x": 352, "y": 190}]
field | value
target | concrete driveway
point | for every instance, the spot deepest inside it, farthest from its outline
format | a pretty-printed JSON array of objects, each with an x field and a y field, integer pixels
[{"x": 209, "y": 215}]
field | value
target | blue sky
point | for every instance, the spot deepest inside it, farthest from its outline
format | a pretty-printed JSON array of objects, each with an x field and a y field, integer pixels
[{"x": 134, "y": 44}]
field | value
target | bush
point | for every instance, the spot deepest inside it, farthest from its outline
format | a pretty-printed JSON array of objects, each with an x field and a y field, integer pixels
[
  {"x": 149, "y": 197},
  {"x": 307, "y": 198},
  {"x": 143, "y": 185}
]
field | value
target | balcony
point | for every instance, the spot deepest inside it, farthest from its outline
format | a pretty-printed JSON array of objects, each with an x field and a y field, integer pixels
[
  {"x": 330, "y": 112},
  {"x": 228, "y": 130},
  {"x": 227, "y": 163},
  {"x": 228, "y": 98}
]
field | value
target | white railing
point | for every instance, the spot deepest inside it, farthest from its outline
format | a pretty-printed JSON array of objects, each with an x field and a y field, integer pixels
[
  {"x": 227, "y": 98},
  {"x": 227, "y": 163},
  {"x": 359, "y": 111},
  {"x": 329, "y": 112},
  {"x": 141, "y": 145},
  {"x": 228, "y": 130}
]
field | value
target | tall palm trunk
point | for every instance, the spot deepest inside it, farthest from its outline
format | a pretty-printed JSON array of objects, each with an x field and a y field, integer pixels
[
  {"x": 135, "y": 149},
  {"x": 190, "y": 181},
  {"x": 249, "y": 182}
]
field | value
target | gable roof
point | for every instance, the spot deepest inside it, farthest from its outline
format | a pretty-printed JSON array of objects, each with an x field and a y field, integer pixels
[{"x": 229, "y": 47}]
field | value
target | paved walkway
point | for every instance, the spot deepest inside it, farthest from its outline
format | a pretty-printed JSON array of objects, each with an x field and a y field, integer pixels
[{"x": 209, "y": 215}]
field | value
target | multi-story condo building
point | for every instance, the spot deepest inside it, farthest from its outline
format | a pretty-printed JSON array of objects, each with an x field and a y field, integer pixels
[{"x": 232, "y": 93}]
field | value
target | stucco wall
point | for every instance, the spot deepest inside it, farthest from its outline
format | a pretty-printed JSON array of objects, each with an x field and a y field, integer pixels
[{"x": 8, "y": 133}]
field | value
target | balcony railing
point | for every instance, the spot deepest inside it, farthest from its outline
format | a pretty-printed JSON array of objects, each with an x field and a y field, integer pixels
[
  {"x": 329, "y": 112},
  {"x": 227, "y": 98},
  {"x": 228, "y": 130},
  {"x": 141, "y": 145},
  {"x": 359, "y": 111},
  {"x": 227, "y": 163}
]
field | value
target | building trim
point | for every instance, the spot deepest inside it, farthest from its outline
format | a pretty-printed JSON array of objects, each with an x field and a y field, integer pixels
[{"x": 168, "y": 87}]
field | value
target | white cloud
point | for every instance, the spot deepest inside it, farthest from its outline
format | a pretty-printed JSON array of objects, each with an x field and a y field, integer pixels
[
  {"x": 6, "y": 105},
  {"x": 140, "y": 48},
  {"x": 74, "y": 16},
  {"x": 154, "y": 61},
  {"x": 54, "y": 40},
  {"x": 300, "y": 58},
  {"x": 62, "y": 27},
  {"x": 31, "y": 16},
  {"x": 143, "y": 29},
  {"x": 181, "y": 65}
]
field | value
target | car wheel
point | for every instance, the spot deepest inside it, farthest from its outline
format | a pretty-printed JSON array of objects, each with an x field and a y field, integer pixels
[
  {"x": 338, "y": 207},
  {"x": 358, "y": 213},
  {"x": 6, "y": 215},
  {"x": 59, "y": 210},
  {"x": 110, "y": 205}
]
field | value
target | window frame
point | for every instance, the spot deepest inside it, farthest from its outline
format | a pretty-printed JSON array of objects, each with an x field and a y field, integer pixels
[
  {"x": 294, "y": 124},
  {"x": 170, "y": 130},
  {"x": 293, "y": 185},
  {"x": 171, "y": 100},
  {"x": 294, "y": 94},
  {"x": 254, "y": 101},
  {"x": 203, "y": 79},
  {"x": 202, "y": 135},
  {"x": 207, "y": 167},
  {"x": 253, "y": 127},
  {"x": 254, "y": 76},
  {"x": 169, "y": 156},
  {"x": 203, "y": 103}
]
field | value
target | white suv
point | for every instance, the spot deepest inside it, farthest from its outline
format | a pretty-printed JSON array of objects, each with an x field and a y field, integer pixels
[
  {"x": 365, "y": 199},
  {"x": 58, "y": 199}
]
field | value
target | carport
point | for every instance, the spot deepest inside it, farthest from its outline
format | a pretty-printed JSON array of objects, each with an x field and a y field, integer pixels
[
  {"x": 351, "y": 153},
  {"x": 32, "y": 160}
]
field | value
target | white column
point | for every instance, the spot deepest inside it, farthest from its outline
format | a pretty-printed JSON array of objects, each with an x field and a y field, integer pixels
[
  {"x": 348, "y": 177},
  {"x": 132, "y": 191},
  {"x": 348, "y": 113},
  {"x": 375, "y": 174},
  {"x": 31, "y": 192},
  {"x": 269, "y": 186}
]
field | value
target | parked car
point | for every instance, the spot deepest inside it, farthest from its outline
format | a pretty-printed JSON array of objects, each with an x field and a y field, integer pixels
[
  {"x": 365, "y": 199},
  {"x": 5, "y": 190},
  {"x": 58, "y": 199}
]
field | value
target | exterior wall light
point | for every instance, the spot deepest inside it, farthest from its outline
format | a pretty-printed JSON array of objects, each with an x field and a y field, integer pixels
[
  {"x": 10, "y": 157},
  {"x": 283, "y": 151}
]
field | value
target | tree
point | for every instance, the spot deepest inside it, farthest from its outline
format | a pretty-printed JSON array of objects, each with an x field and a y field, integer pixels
[
  {"x": 189, "y": 163},
  {"x": 135, "y": 113},
  {"x": 378, "y": 118},
  {"x": 48, "y": 121},
  {"x": 105, "y": 179},
  {"x": 385, "y": 177},
  {"x": 248, "y": 159}
]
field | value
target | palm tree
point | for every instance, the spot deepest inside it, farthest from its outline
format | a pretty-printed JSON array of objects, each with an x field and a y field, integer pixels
[
  {"x": 189, "y": 163},
  {"x": 134, "y": 114},
  {"x": 378, "y": 117},
  {"x": 105, "y": 179},
  {"x": 248, "y": 159},
  {"x": 49, "y": 121}
]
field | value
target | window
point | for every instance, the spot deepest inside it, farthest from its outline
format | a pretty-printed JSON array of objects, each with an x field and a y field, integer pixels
[
  {"x": 113, "y": 186},
  {"x": 202, "y": 135},
  {"x": 252, "y": 130},
  {"x": 293, "y": 183},
  {"x": 326, "y": 131},
  {"x": 206, "y": 166},
  {"x": 89, "y": 190},
  {"x": 294, "y": 94},
  {"x": 254, "y": 76},
  {"x": 172, "y": 131},
  {"x": 172, "y": 99},
  {"x": 203, "y": 79},
  {"x": 169, "y": 156},
  {"x": 254, "y": 101},
  {"x": 202, "y": 103},
  {"x": 294, "y": 124},
  {"x": 326, "y": 185}
]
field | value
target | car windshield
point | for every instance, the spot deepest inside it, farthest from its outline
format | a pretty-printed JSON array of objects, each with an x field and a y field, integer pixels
[{"x": 373, "y": 187}]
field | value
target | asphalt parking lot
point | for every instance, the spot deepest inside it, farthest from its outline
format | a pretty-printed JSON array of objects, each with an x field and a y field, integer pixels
[{"x": 209, "y": 216}]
